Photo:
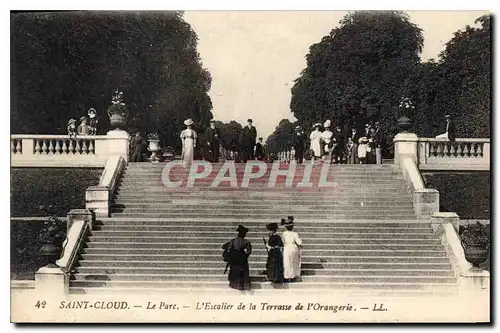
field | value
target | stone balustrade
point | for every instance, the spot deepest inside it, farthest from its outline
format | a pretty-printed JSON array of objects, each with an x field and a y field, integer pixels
[
  {"x": 462, "y": 154},
  {"x": 28, "y": 150}
]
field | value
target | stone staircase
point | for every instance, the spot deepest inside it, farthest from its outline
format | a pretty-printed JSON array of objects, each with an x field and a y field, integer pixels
[{"x": 360, "y": 233}]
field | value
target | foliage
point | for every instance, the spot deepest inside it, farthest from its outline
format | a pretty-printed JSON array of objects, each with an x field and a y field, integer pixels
[
  {"x": 475, "y": 235},
  {"x": 153, "y": 136},
  {"x": 359, "y": 71},
  {"x": 53, "y": 231},
  {"x": 230, "y": 134},
  {"x": 63, "y": 63},
  {"x": 282, "y": 137}
]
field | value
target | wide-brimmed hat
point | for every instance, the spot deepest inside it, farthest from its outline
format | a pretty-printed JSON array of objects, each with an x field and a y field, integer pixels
[
  {"x": 298, "y": 127},
  {"x": 317, "y": 125},
  {"x": 272, "y": 226},
  {"x": 242, "y": 229},
  {"x": 447, "y": 116},
  {"x": 327, "y": 123},
  {"x": 287, "y": 222},
  {"x": 363, "y": 139},
  {"x": 92, "y": 112},
  {"x": 83, "y": 118},
  {"x": 249, "y": 120},
  {"x": 188, "y": 122},
  {"x": 71, "y": 121},
  {"x": 212, "y": 121}
]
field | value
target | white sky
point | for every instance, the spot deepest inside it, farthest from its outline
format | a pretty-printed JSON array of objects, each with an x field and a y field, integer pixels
[{"x": 254, "y": 56}]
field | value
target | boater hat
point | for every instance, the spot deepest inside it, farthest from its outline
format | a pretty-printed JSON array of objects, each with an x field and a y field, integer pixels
[
  {"x": 327, "y": 123},
  {"x": 188, "y": 122},
  {"x": 83, "y": 118},
  {"x": 317, "y": 125},
  {"x": 447, "y": 116},
  {"x": 288, "y": 222},
  {"x": 71, "y": 121},
  {"x": 212, "y": 121},
  {"x": 272, "y": 226},
  {"x": 242, "y": 229}
]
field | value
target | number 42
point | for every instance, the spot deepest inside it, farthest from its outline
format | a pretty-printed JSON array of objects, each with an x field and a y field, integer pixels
[{"x": 40, "y": 304}]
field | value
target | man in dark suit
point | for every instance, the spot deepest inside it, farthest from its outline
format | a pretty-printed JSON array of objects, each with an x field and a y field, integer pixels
[
  {"x": 213, "y": 142},
  {"x": 450, "y": 133},
  {"x": 339, "y": 145},
  {"x": 248, "y": 141},
  {"x": 259, "y": 150},
  {"x": 299, "y": 141},
  {"x": 354, "y": 135}
]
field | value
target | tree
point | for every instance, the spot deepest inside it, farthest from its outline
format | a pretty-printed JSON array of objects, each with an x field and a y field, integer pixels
[
  {"x": 359, "y": 72},
  {"x": 64, "y": 63},
  {"x": 281, "y": 139},
  {"x": 465, "y": 88}
]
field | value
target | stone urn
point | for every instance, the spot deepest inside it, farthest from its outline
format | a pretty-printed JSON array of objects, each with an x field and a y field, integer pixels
[
  {"x": 476, "y": 254},
  {"x": 50, "y": 253},
  {"x": 476, "y": 244},
  {"x": 118, "y": 112},
  {"x": 154, "y": 147},
  {"x": 405, "y": 123}
]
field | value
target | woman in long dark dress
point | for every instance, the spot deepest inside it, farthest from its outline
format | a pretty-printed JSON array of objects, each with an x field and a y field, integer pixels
[
  {"x": 275, "y": 255},
  {"x": 239, "y": 251}
]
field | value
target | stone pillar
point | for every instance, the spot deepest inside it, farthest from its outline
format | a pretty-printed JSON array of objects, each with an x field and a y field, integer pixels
[
  {"x": 118, "y": 143},
  {"x": 97, "y": 200},
  {"x": 82, "y": 215},
  {"x": 405, "y": 145},
  {"x": 425, "y": 203},
  {"x": 51, "y": 280}
]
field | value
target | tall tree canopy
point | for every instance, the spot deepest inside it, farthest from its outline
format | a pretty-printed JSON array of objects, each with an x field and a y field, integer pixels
[
  {"x": 360, "y": 71},
  {"x": 281, "y": 139},
  {"x": 64, "y": 63}
]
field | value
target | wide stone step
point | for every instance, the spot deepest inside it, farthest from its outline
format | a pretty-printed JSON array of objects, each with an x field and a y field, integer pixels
[
  {"x": 221, "y": 277},
  {"x": 190, "y": 266},
  {"x": 160, "y": 188},
  {"x": 167, "y": 249},
  {"x": 342, "y": 285},
  {"x": 262, "y": 205},
  {"x": 229, "y": 211},
  {"x": 259, "y": 257},
  {"x": 264, "y": 180},
  {"x": 211, "y": 220},
  {"x": 225, "y": 227},
  {"x": 256, "y": 202},
  {"x": 353, "y": 215},
  {"x": 276, "y": 197}
]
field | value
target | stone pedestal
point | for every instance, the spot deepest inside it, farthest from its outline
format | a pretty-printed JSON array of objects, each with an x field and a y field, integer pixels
[
  {"x": 425, "y": 203},
  {"x": 118, "y": 143},
  {"x": 440, "y": 218},
  {"x": 405, "y": 145},
  {"x": 97, "y": 200},
  {"x": 51, "y": 280},
  {"x": 474, "y": 282},
  {"x": 81, "y": 215}
]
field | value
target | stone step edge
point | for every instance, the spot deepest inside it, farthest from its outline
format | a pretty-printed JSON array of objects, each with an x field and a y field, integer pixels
[
  {"x": 323, "y": 269},
  {"x": 253, "y": 221}
]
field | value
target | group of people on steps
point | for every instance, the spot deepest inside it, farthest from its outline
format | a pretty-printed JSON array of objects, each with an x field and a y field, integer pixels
[{"x": 283, "y": 255}]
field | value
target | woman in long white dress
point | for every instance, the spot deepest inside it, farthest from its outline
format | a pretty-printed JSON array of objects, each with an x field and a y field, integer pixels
[
  {"x": 316, "y": 142},
  {"x": 188, "y": 137},
  {"x": 291, "y": 250}
]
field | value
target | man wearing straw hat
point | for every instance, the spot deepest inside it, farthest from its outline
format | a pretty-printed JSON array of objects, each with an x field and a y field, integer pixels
[{"x": 83, "y": 128}]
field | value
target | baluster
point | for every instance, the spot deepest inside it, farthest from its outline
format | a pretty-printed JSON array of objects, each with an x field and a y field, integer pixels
[
  {"x": 91, "y": 147},
  {"x": 479, "y": 150},
  {"x": 452, "y": 150},
  {"x": 65, "y": 147},
  {"x": 44, "y": 147},
  {"x": 439, "y": 149},
  {"x": 37, "y": 146},
  {"x": 51, "y": 147},
  {"x": 459, "y": 150},
  {"x": 13, "y": 147},
  {"x": 78, "y": 146},
  {"x": 72, "y": 146},
  {"x": 445, "y": 150},
  {"x": 58, "y": 147},
  {"x": 466, "y": 150},
  {"x": 83, "y": 144},
  {"x": 473, "y": 152},
  {"x": 432, "y": 149}
]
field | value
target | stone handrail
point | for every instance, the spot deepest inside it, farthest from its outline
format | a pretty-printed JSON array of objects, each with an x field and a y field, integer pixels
[
  {"x": 33, "y": 150},
  {"x": 462, "y": 154},
  {"x": 98, "y": 198}
]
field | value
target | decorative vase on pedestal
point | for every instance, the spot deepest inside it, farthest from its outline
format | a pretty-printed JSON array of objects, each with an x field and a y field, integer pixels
[
  {"x": 118, "y": 112},
  {"x": 405, "y": 123},
  {"x": 154, "y": 147}
]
